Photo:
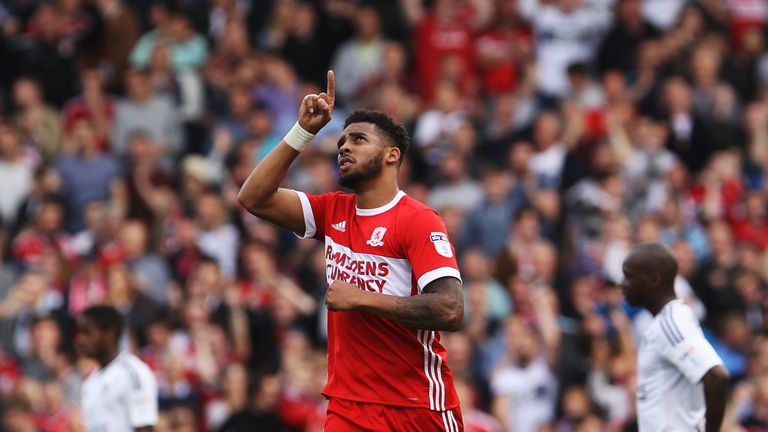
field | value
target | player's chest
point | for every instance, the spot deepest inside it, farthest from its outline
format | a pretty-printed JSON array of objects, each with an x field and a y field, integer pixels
[
  {"x": 372, "y": 235},
  {"x": 367, "y": 254},
  {"x": 101, "y": 396},
  {"x": 651, "y": 365}
]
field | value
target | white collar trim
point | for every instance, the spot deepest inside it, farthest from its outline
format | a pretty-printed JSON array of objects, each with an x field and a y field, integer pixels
[{"x": 382, "y": 209}]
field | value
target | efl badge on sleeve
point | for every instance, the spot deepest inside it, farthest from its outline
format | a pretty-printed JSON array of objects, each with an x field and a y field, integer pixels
[
  {"x": 377, "y": 238},
  {"x": 442, "y": 245}
]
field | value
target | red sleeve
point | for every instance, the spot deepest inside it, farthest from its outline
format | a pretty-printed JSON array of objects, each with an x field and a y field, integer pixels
[
  {"x": 427, "y": 248},
  {"x": 314, "y": 208}
]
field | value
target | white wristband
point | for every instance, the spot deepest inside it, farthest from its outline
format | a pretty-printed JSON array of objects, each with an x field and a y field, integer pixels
[{"x": 297, "y": 137}]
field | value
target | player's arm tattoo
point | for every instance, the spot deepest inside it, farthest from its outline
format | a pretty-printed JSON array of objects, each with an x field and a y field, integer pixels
[{"x": 439, "y": 307}]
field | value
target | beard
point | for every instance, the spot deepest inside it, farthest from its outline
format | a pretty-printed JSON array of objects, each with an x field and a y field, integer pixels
[{"x": 370, "y": 170}]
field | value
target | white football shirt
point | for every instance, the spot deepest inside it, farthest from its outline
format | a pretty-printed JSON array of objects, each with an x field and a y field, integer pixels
[
  {"x": 673, "y": 356},
  {"x": 531, "y": 392},
  {"x": 120, "y": 397}
]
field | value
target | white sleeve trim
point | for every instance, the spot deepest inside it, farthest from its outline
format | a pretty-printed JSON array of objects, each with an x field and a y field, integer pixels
[
  {"x": 309, "y": 217},
  {"x": 435, "y": 274}
]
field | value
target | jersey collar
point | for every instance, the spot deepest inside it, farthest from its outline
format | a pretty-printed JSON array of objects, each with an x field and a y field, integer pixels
[{"x": 382, "y": 209}]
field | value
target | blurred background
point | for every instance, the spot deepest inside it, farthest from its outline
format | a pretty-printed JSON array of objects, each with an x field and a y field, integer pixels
[{"x": 551, "y": 135}]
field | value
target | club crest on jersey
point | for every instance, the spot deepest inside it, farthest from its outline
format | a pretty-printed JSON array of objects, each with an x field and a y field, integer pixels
[
  {"x": 442, "y": 245},
  {"x": 377, "y": 238}
]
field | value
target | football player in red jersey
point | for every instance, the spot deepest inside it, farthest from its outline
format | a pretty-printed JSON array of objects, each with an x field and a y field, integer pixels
[{"x": 393, "y": 281}]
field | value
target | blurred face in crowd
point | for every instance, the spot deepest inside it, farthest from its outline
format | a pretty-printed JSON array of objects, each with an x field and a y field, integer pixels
[
  {"x": 546, "y": 130},
  {"x": 140, "y": 147},
  {"x": 91, "y": 341},
  {"x": 91, "y": 81},
  {"x": 496, "y": 185},
  {"x": 677, "y": 95},
  {"x": 452, "y": 167},
  {"x": 446, "y": 11},
  {"x": 304, "y": 19},
  {"x": 569, "y": 5},
  {"x": 9, "y": 142},
  {"x": 49, "y": 217},
  {"x": 210, "y": 211},
  {"x": 138, "y": 85},
  {"x": 576, "y": 403},
  {"x": 45, "y": 335},
  {"x": 17, "y": 417},
  {"x": 26, "y": 92},
  {"x": 84, "y": 137},
  {"x": 367, "y": 22},
  {"x": 520, "y": 156},
  {"x": 475, "y": 265},
  {"x": 394, "y": 59},
  {"x": 720, "y": 238},
  {"x": 705, "y": 64},
  {"x": 527, "y": 227},
  {"x": 754, "y": 205},
  {"x": 629, "y": 10},
  {"x": 521, "y": 340},
  {"x": 363, "y": 153},
  {"x": 239, "y": 101},
  {"x": 119, "y": 283},
  {"x": 133, "y": 239},
  {"x": 160, "y": 60}
]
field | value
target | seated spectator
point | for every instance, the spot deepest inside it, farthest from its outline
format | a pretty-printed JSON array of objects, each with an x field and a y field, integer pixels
[
  {"x": 93, "y": 105},
  {"x": 523, "y": 385},
  {"x": 358, "y": 59},
  {"x": 458, "y": 189},
  {"x": 38, "y": 122},
  {"x": 15, "y": 175},
  {"x": 188, "y": 49},
  {"x": 150, "y": 272},
  {"x": 143, "y": 109},
  {"x": 487, "y": 225},
  {"x": 87, "y": 174},
  {"x": 218, "y": 237}
]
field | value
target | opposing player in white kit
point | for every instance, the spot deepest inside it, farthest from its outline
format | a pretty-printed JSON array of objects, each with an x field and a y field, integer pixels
[
  {"x": 682, "y": 384},
  {"x": 121, "y": 395}
]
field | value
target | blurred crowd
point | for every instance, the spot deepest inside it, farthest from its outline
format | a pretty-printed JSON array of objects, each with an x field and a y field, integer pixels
[{"x": 551, "y": 135}]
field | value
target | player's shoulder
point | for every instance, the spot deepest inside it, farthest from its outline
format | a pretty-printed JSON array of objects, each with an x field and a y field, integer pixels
[
  {"x": 134, "y": 370},
  {"x": 676, "y": 321},
  {"x": 410, "y": 206},
  {"x": 337, "y": 195}
]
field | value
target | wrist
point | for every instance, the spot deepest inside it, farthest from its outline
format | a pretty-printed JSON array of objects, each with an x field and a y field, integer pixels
[
  {"x": 360, "y": 300},
  {"x": 298, "y": 137}
]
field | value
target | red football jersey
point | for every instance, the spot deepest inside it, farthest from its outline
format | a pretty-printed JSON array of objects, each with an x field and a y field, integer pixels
[{"x": 396, "y": 249}]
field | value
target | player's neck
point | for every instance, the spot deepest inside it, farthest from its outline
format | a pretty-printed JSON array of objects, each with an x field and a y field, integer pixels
[
  {"x": 376, "y": 195},
  {"x": 660, "y": 303},
  {"x": 109, "y": 357}
]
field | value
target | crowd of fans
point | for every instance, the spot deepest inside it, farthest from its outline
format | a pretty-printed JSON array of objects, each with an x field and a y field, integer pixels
[{"x": 551, "y": 135}]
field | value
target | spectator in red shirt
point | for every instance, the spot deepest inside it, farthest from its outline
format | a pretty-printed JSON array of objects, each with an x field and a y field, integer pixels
[
  {"x": 442, "y": 34},
  {"x": 752, "y": 226}
]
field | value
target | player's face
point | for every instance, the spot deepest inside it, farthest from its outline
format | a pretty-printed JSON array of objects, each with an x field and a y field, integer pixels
[
  {"x": 91, "y": 341},
  {"x": 633, "y": 284},
  {"x": 361, "y": 154}
]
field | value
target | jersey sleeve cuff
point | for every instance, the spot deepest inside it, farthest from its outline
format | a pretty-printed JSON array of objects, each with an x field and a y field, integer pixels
[
  {"x": 309, "y": 217},
  {"x": 696, "y": 376},
  {"x": 435, "y": 274}
]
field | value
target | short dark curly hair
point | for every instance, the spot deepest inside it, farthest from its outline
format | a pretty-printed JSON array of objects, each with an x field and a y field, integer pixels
[
  {"x": 393, "y": 131},
  {"x": 106, "y": 318}
]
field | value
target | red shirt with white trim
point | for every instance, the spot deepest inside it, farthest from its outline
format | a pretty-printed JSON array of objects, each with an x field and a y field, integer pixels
[{"x": 396, "y": 249}]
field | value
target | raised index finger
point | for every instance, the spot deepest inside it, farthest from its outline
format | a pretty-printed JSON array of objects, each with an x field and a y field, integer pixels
[{"x": 331, "y": 90}]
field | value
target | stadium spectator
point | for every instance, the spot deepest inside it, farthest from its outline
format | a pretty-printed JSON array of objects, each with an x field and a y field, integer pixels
[
  {"x": 148, "y": 111},
  {"x": 589, "y": 125}
]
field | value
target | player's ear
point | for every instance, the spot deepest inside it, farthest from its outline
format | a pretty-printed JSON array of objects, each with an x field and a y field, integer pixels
[{"x": 393, "y": 156}]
